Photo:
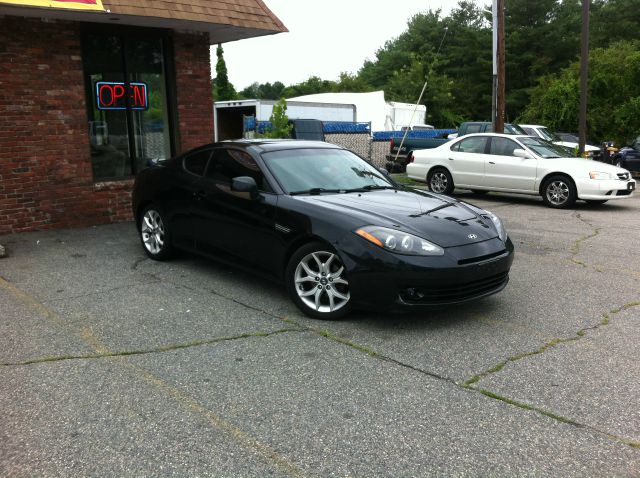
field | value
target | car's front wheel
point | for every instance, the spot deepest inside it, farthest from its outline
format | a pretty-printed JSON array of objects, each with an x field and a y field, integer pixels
[
  {"x": 154, "y": 233},
  {"x": 317, "y": 282},
  {"x": 440, "y": 181},
  {"x": 559, "y": 192}
]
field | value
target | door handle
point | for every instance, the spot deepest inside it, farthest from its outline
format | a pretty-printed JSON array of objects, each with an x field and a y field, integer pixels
[
  {"x": 491, "y": 162},
  {"x": 450, "y": 159}
]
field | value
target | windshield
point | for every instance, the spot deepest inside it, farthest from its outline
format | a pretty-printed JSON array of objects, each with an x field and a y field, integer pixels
[
  {"x": 323, "y": 170},
  {"x": 544, "y": 148},
  {"x": 548, "y": 135},
  {"x": 513, "y": 129}
]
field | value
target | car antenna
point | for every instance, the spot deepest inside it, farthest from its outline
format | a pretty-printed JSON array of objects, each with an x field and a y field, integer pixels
[{"x": 424, "y": 87}]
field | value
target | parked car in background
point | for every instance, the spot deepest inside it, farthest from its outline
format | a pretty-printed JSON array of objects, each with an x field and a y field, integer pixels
[
  {"x": 470, "y": 127},
  {"x": 591, "y": 152},
  {"x": 568, "y": 137},
  {"x": 337, "y": 231},
  {"x": 519, "y": 164},
  {"x": 628, "y": 157}
]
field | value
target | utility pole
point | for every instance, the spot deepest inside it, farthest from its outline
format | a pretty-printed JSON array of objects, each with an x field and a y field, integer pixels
[
  {"x": 584, "y": 75},
  {"x": 499, "y": 65}
]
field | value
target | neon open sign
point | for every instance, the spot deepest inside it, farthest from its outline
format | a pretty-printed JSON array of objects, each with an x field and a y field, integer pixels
[{"x": 118, "y": 95}]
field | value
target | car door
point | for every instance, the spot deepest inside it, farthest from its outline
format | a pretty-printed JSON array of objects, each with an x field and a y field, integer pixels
[
  {"x": 178, "y": 198},
  {"x": 505, "y": 171},
  {"x": 230, "y": 224},
  {"x": 466, "y": 161}
]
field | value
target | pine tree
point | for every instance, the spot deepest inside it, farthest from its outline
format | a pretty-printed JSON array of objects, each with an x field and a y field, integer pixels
[{"x": 223, "y": 90}]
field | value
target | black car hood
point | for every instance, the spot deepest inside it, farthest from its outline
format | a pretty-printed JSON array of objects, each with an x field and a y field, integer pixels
[{"x": 442, "y": 220}]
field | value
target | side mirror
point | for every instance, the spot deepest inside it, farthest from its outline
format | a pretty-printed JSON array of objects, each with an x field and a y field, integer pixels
[
  {"x": 521, "y": 153},
  {"x": 246, "y": 185}
]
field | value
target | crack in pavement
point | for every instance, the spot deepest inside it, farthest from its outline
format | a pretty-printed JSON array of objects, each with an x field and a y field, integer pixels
[
  {"x": 575, "y": 247},
  {"x": 263, "y": 451},
  {"x": 156, "y": 350}
]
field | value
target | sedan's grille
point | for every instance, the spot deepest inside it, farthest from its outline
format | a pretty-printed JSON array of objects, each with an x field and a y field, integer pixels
[
  {"x": 481, "y": 258},
  {"x": 623, "y": 176},
  {"x": 454, "y": 293}
]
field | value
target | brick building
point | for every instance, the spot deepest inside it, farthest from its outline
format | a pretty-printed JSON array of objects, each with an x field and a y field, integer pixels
[{"x": 91, "y": 90}]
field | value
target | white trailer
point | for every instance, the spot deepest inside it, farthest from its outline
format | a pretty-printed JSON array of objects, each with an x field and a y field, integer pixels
[
  {"x": 228, "y": 115},
  {"x": 372, "y": 107}
]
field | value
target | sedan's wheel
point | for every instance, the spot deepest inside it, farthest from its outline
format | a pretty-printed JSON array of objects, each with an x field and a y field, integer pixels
[
  {"x": 559, "y": 192},
  {"x": 317, "y": 282},
  {"x": 440, "y": 181},
  {"x": 154, "y": 234}
]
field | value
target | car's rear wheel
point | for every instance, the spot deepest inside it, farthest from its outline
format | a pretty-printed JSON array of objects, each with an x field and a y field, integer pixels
[
  {"x": 154, "y": 233},
  {"x": 317, "y": 283},
  {"x": 440, "y": 181},
  {"x": 559, "y": 192}
]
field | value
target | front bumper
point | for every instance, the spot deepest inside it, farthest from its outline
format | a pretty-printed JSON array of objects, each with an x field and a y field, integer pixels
[
  {"x": 605, "y": 189},
  {"x": 381, "y": 279}
]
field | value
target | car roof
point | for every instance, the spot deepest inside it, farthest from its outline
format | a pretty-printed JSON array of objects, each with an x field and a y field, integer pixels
[
  {"x": 531, "y": 125},
  {"x": 498, "y": 135},
  {"x": 262, "y": 145}
]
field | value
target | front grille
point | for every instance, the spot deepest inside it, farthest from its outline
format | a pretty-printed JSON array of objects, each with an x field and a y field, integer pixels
[
  {"x": 473, "y": 260},
  {"x": 454, "y": 293},
  {"x": 623, "y": 176}
]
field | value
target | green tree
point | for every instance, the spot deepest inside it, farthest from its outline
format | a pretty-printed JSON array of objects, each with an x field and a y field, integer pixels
[
  {"x": 280, "y": 127},
  {"x": 614, "y": 95},
  {"x": 222, "y": 88}
]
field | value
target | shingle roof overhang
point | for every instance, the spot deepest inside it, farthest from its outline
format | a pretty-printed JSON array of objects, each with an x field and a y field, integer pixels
[{"x": 224, "y": 21}]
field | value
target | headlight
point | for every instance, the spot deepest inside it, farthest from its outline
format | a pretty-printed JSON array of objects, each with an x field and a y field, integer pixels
[
  {"x": 399, "y": 242},
  {"x": 599, "y": 175},
  {"x": 497, "y": 222}
]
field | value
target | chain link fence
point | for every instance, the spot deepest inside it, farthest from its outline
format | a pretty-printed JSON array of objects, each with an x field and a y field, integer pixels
[{"x": 355, "y": 136}]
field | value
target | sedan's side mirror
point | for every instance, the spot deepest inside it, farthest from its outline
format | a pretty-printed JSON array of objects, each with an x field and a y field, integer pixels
[
  {"x": 521, "y": 153},
  {"x": 245, "y": 184}
]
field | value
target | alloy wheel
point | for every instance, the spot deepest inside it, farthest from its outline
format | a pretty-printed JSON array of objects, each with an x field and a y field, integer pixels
[
  {"x": 152, "y": 231},
  {"x": 439, "y": 182},
  {"x": 558, "y": 192},
  {"x": 320, "y": 282}
]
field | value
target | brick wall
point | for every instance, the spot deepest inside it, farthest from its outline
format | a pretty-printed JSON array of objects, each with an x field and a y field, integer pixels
[
  {"x": 46, "y": 177},
  {"x": 193, "y": 81}
]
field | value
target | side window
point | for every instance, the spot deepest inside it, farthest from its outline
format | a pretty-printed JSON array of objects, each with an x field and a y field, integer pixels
[
  {"x": 227, "y": 164},
  {"x": 476, "y": 144},
  {"x": 196, "y": 163},
  {"x": 502, "y": 146},
  {"x": 473, "y": 128},
  {"x": 529, "y": 131}
]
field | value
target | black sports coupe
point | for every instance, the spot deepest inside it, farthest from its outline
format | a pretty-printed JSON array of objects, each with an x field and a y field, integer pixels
[{"x": 337, "y": 231}]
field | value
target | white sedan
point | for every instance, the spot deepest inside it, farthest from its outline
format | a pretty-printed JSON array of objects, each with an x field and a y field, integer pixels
[{"x": 518, "y": 164}]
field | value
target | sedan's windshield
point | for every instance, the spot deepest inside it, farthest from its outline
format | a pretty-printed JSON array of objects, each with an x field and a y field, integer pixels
[
  {"x": 544, "y": 149},
  {"x": 323, "y": 170},
  {"x": 548, "y": 135}
]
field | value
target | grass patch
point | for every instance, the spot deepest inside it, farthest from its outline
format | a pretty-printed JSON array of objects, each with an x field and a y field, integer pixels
[
  {"x": 402, "y": 178},
  {"x": 335, "y": 338}
]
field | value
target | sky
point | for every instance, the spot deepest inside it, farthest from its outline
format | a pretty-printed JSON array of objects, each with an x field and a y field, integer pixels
[{"x": 325, "y": 38}]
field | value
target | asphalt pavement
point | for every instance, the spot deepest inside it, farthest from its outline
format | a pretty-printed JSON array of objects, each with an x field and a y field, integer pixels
[{"x": 115, "y": 365}]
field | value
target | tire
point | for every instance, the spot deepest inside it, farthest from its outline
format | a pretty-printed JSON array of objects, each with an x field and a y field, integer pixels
[
  {"x": 317, "y": 283},
  {"x": 154, "y": 233},
  {"x": 559, "y": 192},
  {"x": 478, "y": 191},
  {"x": 440, "y": 181},
  {"x": 596, "y": 202}
]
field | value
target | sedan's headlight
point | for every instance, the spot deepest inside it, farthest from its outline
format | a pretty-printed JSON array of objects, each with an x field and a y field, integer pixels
[
  {"x": 399, "y": 242},
  {"x": 497, "y": 222},
  {"x": 599, "y": 175}
]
